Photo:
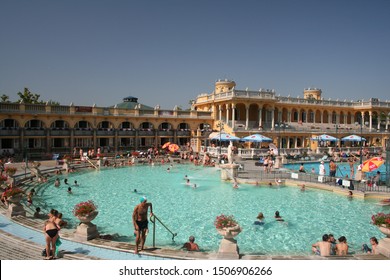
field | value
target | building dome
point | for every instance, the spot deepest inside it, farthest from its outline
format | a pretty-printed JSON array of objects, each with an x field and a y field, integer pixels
[
  {"x": 224, "y": 85},
  {"x": 312, "y": 93},
  {"x": 131, "y": 102}
]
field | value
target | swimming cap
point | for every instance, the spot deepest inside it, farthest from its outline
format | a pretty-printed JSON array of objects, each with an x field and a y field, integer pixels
[{"x": 142, "y": 199}]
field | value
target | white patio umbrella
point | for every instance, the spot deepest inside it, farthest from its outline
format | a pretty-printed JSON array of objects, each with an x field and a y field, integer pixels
[
  {"x": 224, "y": 137},
  {"x": 256, "y": 138},
  {"x": 353, "y": 138},
  {"x": 325, "y": 137}
]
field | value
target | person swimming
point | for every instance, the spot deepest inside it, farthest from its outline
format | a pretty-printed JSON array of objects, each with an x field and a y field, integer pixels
[
  {"x": 278, "y": 217},
  {"x": 260, "y": 219}
]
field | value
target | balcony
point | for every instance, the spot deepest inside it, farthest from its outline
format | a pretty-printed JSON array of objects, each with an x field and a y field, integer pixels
[
  {"x": 146, "y": 133},
  {"x": 165, "y": 133},
  {"x": 105, "y": 132},
  {"x": 60, "y": 132},
  {"x": 83, "y": 132},
  {"x": 34, "y": 132},
  {"x": 5, "y": 131},
  {"x": 183, "y": 133},
  {"x": 126, "y": 132}
]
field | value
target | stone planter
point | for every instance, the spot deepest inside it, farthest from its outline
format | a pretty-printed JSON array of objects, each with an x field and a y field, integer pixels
[
  {"x": 384, "y": 244},
  {"x": 88, "y": 218},
  {"x": 229, "y": 171},
  {"x": 228, "y": 248},
  {"x": 230, "y": 232},
  {"x": 14, "y": 207},
  {"x": 86, "y": 230},
  {"x": 15, "y": 199}
]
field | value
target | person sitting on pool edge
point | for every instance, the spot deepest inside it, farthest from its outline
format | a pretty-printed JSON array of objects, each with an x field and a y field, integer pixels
[
  {"x": 322, "y": 248},
  {"x": 374, "y": 244},
  {"x": 191, "y": 245}
]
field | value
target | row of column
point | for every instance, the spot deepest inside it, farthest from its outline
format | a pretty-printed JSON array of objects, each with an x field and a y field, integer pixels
[
  {"x": 232, "y": 107},
  {"x": 72, "y": 137}
]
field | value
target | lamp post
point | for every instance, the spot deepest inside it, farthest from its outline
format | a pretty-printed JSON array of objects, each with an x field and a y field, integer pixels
[
  {"x": 280, "y": 126},
  {"x": 25, "y": 160},
  {"x": 337, "y": 138},
  {"x": 361, "y": 139},
  {"x": 220, "y": 125},
  {"x": 278, "y": 162}
]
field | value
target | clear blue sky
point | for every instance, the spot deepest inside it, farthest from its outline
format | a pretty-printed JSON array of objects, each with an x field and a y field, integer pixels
[{"x": 167, "y": 52}]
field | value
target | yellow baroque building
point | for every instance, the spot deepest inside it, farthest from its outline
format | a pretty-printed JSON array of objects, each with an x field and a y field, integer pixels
[
  {"x": 296, "y": 121},
  {"x": 292, "y": 122},
  {"x": 41, "y": 130}
]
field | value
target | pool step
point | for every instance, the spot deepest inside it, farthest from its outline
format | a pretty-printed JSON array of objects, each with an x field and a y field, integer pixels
[{"x": 16, "y": 248}]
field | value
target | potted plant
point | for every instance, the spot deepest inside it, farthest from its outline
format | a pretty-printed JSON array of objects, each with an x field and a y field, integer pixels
[
  {"x": 382, "y": 221},
  {"x": 67, "y": 158},
  {"x": 10, "y": 170},
  {"x": 36, "y": 164},
  {"x": 85, "y": 211},
  {"x": 3, "y": 179},
  {"x": 227, "y": 226},
  {"x": 14, "y": 195}
]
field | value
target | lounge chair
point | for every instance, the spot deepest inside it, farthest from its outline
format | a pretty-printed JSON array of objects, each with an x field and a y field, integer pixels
[{"x": 325, "y": 157}]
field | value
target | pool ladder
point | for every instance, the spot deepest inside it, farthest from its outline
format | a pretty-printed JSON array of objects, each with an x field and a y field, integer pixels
[{"x": 153, "y": 220}]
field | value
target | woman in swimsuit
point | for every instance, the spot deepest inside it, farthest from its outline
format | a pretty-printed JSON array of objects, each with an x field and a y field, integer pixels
[
  {"x": 50, "y": 230},
  {"x": 342, "y": 247}
]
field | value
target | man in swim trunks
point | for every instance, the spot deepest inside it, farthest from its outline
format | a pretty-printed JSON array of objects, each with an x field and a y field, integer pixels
[
  {"x": 140, "y": 222},
  {"x": 322, "y": 248}
]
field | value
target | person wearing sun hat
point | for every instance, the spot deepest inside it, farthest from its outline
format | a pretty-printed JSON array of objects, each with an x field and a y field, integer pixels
[
  {"x": 140, "y": 222},
  {"x": 322, "y": 169}
]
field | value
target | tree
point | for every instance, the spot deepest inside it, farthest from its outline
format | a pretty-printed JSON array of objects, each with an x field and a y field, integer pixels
[
  {"x": 28, "y": 97},
  {"x": 4, "y": 98},
  {"x": 51, "y": 102}
]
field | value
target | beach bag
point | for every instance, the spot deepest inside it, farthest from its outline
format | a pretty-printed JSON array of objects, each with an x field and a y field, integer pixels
[{"x": 58, "y": 244}]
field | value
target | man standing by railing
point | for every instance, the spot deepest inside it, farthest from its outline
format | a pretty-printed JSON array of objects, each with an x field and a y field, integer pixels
[
  {"x": 332, "y": 168},
  {"x": 140, "y": 222}
]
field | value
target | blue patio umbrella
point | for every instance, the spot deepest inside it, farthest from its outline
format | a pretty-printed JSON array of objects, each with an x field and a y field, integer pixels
[
  {"x": 256, "y": 138},
  {"x": 353, "y": 138},
  {"x": 224, "y": 137},
  {"x": 325, "y": 137}
]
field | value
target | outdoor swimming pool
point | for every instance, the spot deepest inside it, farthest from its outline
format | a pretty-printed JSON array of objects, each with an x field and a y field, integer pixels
[{"x": 187, "y": 211}]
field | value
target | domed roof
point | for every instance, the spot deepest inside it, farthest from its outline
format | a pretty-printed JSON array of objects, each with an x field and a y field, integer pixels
[{"x": 131, "y": 102}]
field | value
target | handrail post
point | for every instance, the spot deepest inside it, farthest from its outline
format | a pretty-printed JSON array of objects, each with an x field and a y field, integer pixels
[{"x": 154, "y": 232}]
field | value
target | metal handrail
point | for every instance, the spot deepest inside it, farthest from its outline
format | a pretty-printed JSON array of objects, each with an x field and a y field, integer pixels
[{"x": 153, "y": 220}]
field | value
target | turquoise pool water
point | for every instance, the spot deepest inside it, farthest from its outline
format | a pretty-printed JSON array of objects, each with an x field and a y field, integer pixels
[{"x": 187, "y": 211}]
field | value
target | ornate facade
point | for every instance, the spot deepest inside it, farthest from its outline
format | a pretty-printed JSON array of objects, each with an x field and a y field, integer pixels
[
  {"x": 294, "y": 120},
  {"x": 46, "y": 129}
]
